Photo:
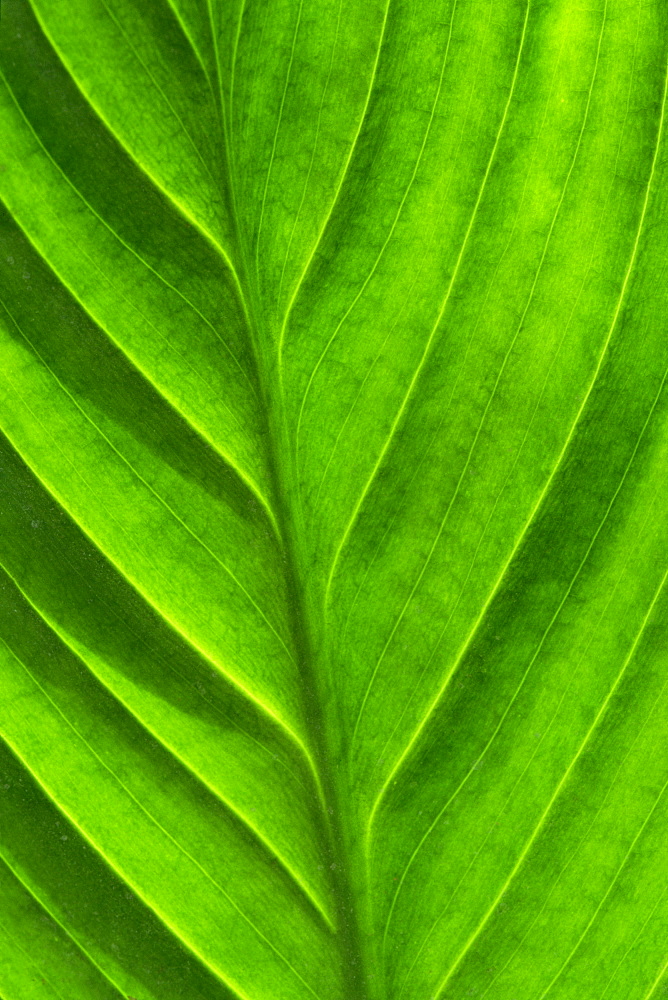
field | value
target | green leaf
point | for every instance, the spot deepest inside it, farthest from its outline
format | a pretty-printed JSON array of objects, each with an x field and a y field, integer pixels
[{"x": 333, "y": 535}]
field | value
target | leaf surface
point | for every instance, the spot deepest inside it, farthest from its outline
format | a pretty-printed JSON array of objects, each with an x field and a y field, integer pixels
[{"x": 333, "y": 542}]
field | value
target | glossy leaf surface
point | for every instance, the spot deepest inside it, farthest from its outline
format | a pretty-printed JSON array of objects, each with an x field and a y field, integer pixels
[{"x": 333, "y": 541}]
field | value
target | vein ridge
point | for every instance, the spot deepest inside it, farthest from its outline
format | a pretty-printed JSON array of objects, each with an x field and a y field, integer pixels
[
  {"x": 425, "y": 354},
  {"x": 143, "y": 809},
  {"x": 182, "y": 209},
  {"x": 217, "y": 794},
  {"x": 344, "y": 173},
  {"x": 46, "y": 909},
  {"x": 266, "y": 709},
  {"x": 537, "y": 651},
  {"x": 526, "y": 847},
  {"x": 558, "y": 464}
]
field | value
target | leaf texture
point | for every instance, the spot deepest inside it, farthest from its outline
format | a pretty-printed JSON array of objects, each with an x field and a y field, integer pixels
[{"x": 333, "y": 544}]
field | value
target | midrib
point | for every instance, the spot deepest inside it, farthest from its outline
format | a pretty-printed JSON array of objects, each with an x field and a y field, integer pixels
[
  {"x": 348, "y": 889},
  {"x": 336, "y": 806},
  {"x": 336, "y": 811}
]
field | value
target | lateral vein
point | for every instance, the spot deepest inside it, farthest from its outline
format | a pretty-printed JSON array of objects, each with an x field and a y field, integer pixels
[
  {"x": 234, "y": 680},
  {"x": 157, "y": 913},
  {"x": 49, "y": 912},
  {"x": 426, "y": 351},
  {"x": 535, "y": 654},
  {"x": 526, "y": 847},
  {"x": 558, "y": 464},
  {"x": 101, "y": 851},
  {"x": 182, "y": 209},
  {"x": 337, "y": 192},
  {"x": 216, "y": 793},
  {"x": 148, "y": 486}
]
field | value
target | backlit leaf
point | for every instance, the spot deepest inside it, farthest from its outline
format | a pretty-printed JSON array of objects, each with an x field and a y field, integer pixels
[{"x": 333, "y": 533}]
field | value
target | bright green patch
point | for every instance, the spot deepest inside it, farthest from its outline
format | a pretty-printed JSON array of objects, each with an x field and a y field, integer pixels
[{"x": 333, "y": 532}]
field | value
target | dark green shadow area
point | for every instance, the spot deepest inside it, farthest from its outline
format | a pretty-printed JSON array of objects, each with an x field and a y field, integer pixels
[{"x": 74, "y": 885}]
